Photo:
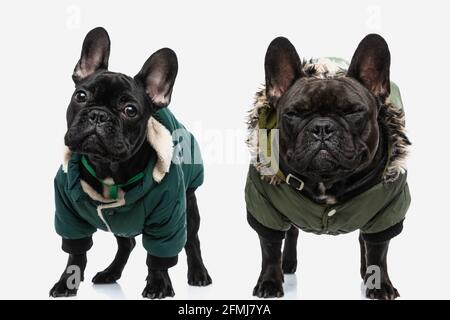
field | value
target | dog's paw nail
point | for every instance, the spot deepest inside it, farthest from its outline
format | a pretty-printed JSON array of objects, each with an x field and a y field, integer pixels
[
  {"x": 158, "y": 291},
  {"x": 199, "y": 277},
  {"x": 60, "y": 290},
  {"x": 385, "y": 292},
  {"x": 269, "y": 289}
]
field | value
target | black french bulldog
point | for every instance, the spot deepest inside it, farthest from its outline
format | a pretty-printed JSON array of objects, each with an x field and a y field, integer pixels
[
  {"x": 339, "y": 135},
  {"x": 107, "y": 120}
]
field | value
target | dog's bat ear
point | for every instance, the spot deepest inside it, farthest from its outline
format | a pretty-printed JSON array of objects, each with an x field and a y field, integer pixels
[
  {"x": 94, "y": 54},
  {"x": 282, "y": 66},
  {"x": 370, "y": 65},
  {"x": 158, "y": 76}
]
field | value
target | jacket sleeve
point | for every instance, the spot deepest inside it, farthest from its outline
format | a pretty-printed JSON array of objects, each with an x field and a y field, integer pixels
[
  {"x": 67, "y": 222},
  {"x": 164, "y": 233},
  {"x": 393, "y": 212},
  {"x": 260, "y": 207}
]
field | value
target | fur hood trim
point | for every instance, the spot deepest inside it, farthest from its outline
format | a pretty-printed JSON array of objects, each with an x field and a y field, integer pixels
[
  {"x": 159, "y": 138},
  {"x": 391, "y": 117}
]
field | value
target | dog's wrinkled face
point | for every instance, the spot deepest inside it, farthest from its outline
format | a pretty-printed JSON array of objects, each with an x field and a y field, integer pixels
[
  {"x": 108, "y": 112},
  {"x": 107, "y": 116},
  {"x": 328, "y": 126}
]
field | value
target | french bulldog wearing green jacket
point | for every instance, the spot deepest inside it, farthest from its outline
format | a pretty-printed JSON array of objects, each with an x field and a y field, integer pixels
[
  {"x": 130, "y": 168},
  {"x": 336, "y": 166}
]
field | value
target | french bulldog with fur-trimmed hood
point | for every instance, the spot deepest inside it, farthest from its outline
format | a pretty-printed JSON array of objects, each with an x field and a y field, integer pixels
[{"x": 328, "y": 144}]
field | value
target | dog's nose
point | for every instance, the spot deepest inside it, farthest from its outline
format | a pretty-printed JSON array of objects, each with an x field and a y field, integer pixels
[
  {"x": 97, "y": 117},
  {"x": 323, "y": 128}
]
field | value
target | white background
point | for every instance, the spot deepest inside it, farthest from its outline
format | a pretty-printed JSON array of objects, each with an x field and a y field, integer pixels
[{"x": 220, "y": 47}]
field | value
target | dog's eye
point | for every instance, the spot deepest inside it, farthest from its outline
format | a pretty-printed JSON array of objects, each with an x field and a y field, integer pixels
[
  {"x": 291, "y": 115},
  {"x": 130, "y": 110},
  {"x": 351, "y": 113},
  {"x": 354, "y": 112},
  {"x": 81, "y": 96}
]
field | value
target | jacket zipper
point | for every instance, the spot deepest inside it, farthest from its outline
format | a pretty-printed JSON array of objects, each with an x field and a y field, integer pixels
[
  {"x": 325, "y": 219},
  {"x": 100, "y": 215}
]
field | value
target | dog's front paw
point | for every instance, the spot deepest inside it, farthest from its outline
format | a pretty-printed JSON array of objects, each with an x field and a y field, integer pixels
[
  {"x": 199, "y": 276},
  {"x": 269, "y": 289},
  {"x": 385, "y": 292},
  {"x": 158, "y": 285},
  {"x": 270, "y": 282},
  {"x": 61, "y": 289},
  {"x": 158, "y": 291},
  {"x": 106, "y": 276}
]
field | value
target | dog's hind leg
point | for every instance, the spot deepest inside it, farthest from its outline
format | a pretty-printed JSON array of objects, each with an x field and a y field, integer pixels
[
  {"x": 197, "y": 273},
  {"x": 114, "y": 271},
  {"x": 362, "y": 246},
  {"x": 289, "y": 263}
]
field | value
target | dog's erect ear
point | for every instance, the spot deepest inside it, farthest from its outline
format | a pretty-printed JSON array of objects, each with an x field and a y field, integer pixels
[
  {"x": 158, "y": 76},
  {"x": 94, "y": 54},
  {"x": 370, "y": 65},
  {"x": 283, "y": 67}
]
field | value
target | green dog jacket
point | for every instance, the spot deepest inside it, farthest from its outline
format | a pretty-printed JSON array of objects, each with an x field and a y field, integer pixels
[
  {"x": 155, "y": 208},
  {"x": 278, "y": 206}
]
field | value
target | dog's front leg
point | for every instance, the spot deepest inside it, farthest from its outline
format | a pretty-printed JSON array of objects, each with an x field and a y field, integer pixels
[
  {"x": 159, "y": 285},
  {"x": 73, "y": 274},
  {"x": 270, "y": 282},
  {"x": 378, "y": 284}
]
